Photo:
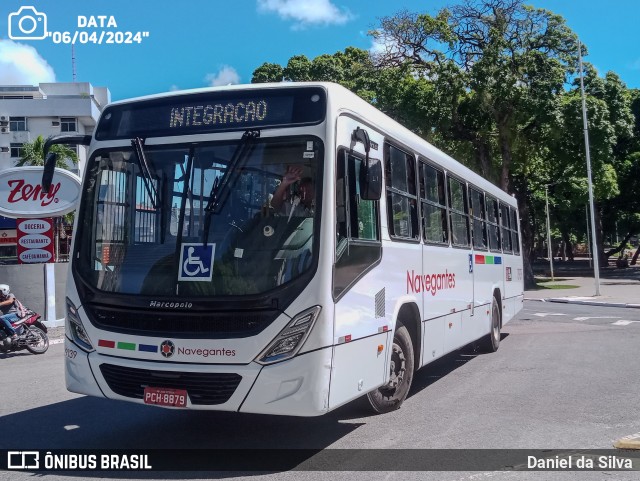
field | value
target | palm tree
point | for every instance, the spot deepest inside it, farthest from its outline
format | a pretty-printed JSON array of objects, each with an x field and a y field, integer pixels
[{"x": 33, "y": 154}]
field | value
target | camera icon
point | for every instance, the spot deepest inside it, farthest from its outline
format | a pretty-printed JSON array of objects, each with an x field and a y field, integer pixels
[{"x": 27, "y": 24}]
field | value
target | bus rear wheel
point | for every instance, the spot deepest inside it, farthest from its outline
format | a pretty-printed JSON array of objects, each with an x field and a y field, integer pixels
[
  {"x": 491, "y": 342},
  {"x": 390, "y": 396}
]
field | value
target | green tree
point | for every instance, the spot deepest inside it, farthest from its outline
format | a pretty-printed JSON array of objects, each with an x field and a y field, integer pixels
[
  {"x": 33, "y": 154},
  {"x": 268, "y": 72},
  {"x": 499, "y": 65}
]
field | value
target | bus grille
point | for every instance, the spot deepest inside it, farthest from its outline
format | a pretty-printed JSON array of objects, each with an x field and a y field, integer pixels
[
  {"x": 213, "y": 325},
  {"x": 203, "y": 388}
]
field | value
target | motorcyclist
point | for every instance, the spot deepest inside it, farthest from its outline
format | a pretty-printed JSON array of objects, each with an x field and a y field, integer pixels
[{"x": 9, "y": 310}]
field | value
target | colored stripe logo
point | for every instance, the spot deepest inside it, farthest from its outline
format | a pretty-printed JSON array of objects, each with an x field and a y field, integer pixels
[
  {"x": 480, "y": 259},
  {"x": 127, "y": 346}
]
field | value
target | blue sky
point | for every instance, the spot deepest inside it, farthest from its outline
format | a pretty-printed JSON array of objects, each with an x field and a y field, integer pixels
[{"x": 199, "y": 43}]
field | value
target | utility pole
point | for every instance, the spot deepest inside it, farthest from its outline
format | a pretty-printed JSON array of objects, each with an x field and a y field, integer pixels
[{"x": 594, "y": 244}]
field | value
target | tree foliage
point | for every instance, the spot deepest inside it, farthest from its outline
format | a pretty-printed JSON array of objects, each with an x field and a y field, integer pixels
[
  {"x": 33, "y": 154},
  {"x": 494, "y": 83}
]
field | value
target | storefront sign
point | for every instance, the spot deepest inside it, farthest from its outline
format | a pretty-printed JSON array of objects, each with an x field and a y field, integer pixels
[
  {"x": 35, "y": 241},
  {"x": 21, "y": 194}
]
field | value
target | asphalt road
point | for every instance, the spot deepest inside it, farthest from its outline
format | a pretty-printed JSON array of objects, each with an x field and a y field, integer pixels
[{"x": 565, "y": 377}]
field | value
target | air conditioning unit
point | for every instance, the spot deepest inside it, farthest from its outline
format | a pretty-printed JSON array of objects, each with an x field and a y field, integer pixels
[
  {"x": 4, "y": 130},
  {"x": 4, "y": 149},
  {"x": 55, "y": 123},
  {"x": 3, "y": 118}
]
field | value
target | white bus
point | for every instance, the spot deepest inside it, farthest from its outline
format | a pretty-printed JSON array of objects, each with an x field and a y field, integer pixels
[{"x": 277, "y": 249}]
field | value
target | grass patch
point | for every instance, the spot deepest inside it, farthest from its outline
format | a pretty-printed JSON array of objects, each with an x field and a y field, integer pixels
[
  {"x": 555, "y": 286},
  {"x": 544, "y": 280}
]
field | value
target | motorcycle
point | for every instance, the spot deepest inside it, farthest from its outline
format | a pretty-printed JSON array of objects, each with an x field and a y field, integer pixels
[{"x": 32, "y": 335}]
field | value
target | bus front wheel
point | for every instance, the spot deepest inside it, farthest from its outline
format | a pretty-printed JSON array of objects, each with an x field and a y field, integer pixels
[{"x": 390, "y": 396}]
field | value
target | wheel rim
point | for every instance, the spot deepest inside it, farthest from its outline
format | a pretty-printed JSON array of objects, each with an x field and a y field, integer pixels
[
  {"x": 397, "y": 371},
  {"x": 495, "y": 324},
  {"x": 36, "y": 340}
]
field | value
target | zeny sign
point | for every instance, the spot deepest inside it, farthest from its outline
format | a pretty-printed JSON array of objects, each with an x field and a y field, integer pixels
[
  {"x": 22, "y": 196},
  {"x": 35, "y": 240}
]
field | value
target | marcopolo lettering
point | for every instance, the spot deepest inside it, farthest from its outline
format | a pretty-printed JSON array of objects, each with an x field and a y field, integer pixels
[{"x": 171, "y": 305}]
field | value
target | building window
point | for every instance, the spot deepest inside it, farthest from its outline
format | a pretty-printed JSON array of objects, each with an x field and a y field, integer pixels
[
  {"x": 16, "y": 150},
  {"x": 17, "y": 124},
  {"x": 68, "y": 124}
]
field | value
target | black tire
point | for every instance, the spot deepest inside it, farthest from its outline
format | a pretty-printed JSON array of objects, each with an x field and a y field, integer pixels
[
  {"x": 491, "y": 342},
  {"x": 390, "y": 396},
  {"x": 37, "y": 342}
]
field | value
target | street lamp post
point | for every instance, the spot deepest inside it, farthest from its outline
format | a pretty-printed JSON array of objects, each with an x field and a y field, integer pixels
[
  {"x": 549, "y": 248},
  {"x": 594, "y": 244}
]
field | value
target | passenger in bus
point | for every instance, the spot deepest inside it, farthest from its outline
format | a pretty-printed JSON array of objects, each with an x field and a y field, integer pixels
[{"x": 301, "y": 202}]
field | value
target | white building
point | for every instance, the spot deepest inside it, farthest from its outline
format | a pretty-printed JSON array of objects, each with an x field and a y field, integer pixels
[{"x": 47, "y": 109}]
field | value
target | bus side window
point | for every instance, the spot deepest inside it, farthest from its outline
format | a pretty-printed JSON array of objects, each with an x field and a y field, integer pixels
[
  {"x": 478, "y": 217},
  {"x": 434, "y": 205},
  {"x": 515, "y": 240},
  {"x": 506, "y": 229},
  {"x": 459, "y": 213},
  {"x": 358, "y": 245},
  {"x": 401, "y": 194},
  {"x": 493, "y": 221}
]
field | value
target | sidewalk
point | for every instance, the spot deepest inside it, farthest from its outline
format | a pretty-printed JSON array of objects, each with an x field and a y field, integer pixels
[{"x": 620, "y": 288}]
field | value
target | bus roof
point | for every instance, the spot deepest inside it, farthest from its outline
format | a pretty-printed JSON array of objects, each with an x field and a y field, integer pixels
[{"x": 343, "y": 101}]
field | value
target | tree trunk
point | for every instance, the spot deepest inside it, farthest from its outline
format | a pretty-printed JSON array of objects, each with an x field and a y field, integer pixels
[
  {"x": 568, "y": 246},
  {"x": 483, "y": 157},
  {"x": 527, "y": 232},
  {"x": 604, "y": 262},
  {"x": 505, "y": 150},
  {"x": 620, "y": 247},
  {"x": 635, "y": 257}
]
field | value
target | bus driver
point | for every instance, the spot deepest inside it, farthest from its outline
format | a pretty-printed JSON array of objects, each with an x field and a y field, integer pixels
[{"x": 300, "y": 204}]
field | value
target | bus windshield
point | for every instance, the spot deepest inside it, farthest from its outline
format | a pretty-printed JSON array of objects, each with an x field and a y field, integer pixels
[{"x": 201, "y": 220}]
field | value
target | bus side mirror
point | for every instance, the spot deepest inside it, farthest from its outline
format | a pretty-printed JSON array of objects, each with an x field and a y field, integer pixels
[
  {"x": 49, "y": 168},
  {"x": 371, "y": 180}
]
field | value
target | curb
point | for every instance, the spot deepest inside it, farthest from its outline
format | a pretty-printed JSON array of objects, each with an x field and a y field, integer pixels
[
  {"x": 56, "y": 323},
  {"x": 563, "y": 300},
  {"x": 628, "y": 442},
  {"x": 594, "y": 303}
]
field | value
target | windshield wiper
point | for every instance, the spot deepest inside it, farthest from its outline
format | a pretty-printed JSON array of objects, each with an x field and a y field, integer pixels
[
  {"x": 220, "y": 190},
  {"x": 143, "y": 165}
]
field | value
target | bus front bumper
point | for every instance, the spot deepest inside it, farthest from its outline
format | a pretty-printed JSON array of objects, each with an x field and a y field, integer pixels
[{"x": 296, "y": 387}]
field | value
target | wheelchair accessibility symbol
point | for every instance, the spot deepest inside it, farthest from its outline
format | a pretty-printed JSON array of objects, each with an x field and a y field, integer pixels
[{"x": 196, "y": 262}]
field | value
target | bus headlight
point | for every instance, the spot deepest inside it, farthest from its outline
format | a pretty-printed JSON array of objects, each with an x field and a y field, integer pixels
[
  {"x": 76, "y": 329},
  {"x": 291, "y": 338}
]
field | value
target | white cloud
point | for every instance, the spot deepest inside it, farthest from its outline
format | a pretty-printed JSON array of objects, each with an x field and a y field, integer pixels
[
  {"x": 22, "y": 65},
  {"x": 306, "y": 12},
  {"x": 378, "y": 47},
  {"x": 173, "y": 88},
  {"x": 225, "y": 76}
]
